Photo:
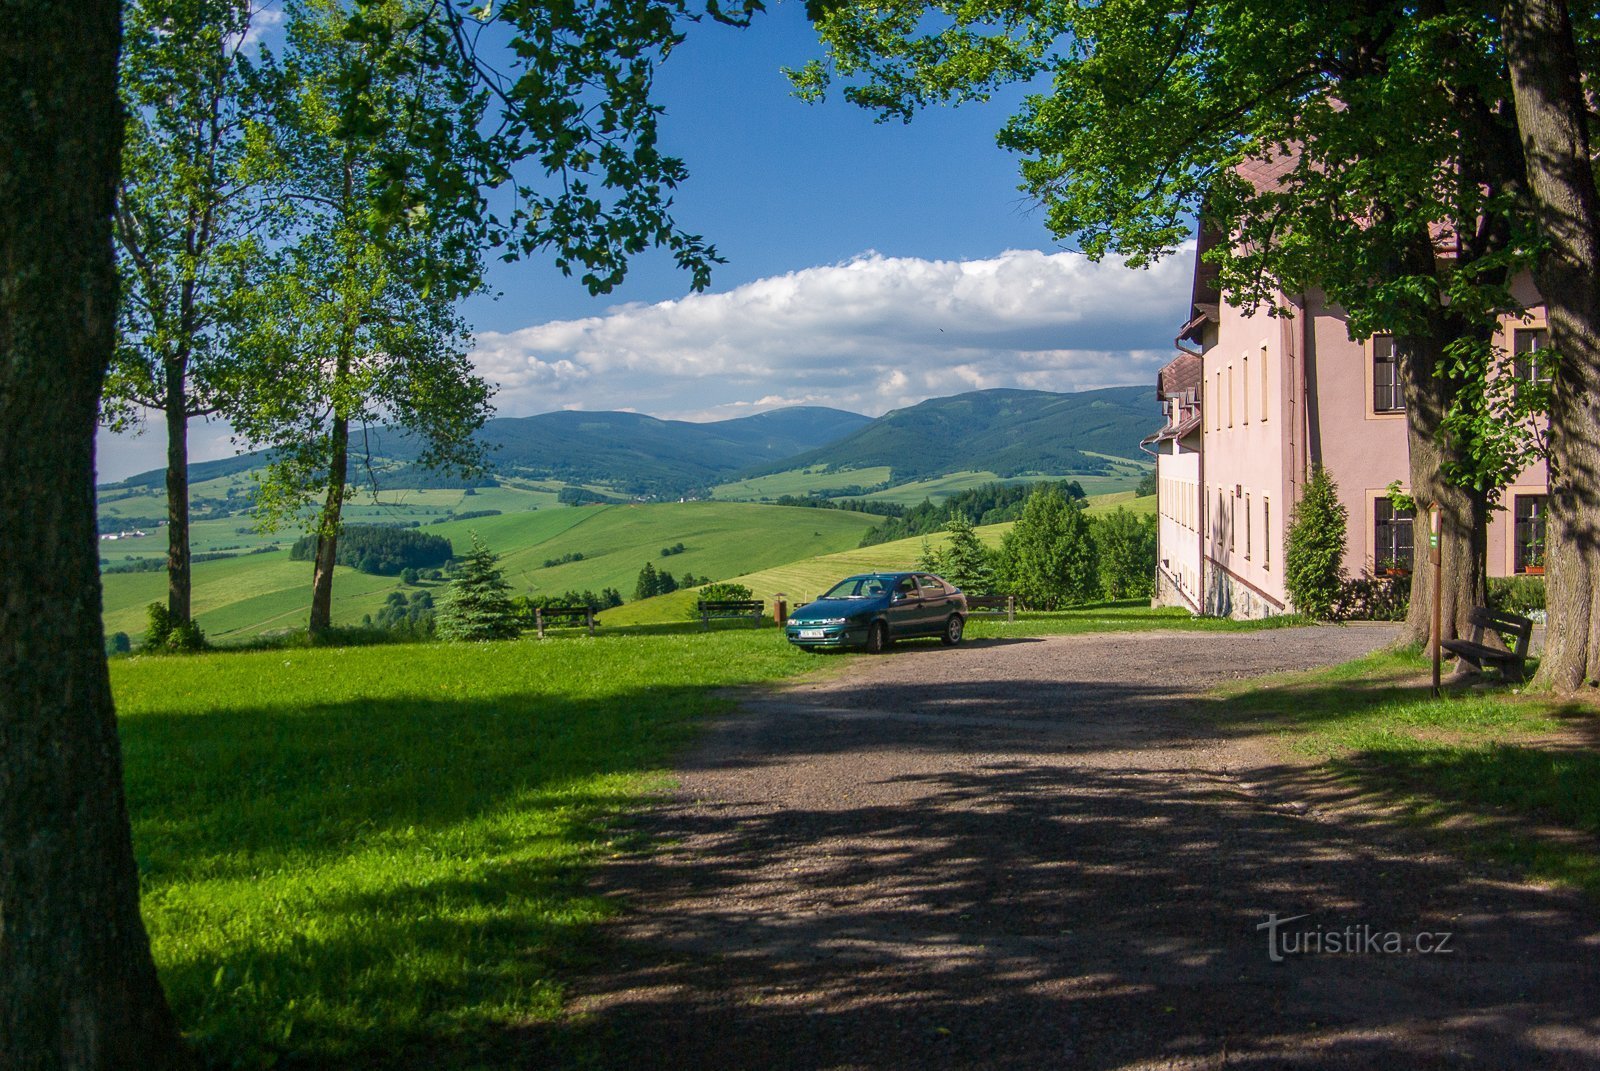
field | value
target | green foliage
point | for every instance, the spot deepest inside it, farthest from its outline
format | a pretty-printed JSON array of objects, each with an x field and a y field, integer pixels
[
  {"x": 1047, "y": 559},
  {"x": 1146, "y": 485},
  {"x": 676, "y": 548},
  {"x": 414, "y": 617},
  {"x": 992, "y": 503},
  {"x": 410, "y": 576},
  {"x": 965, "y": 561},
  {"x": 653, "y": 582},
  {"x": 165, "y": 634},
  {"x": 1369, "y": 597},
  {"x": 381, "y": 550},
  {"x": 118, "y": 643},
  {"x": 1125, "y": 546},
  {"x": 159, "y": 628},
  {"x": 582, "y": 496},
  {"x": 724, "y": 591},
  {"x": 1313, "y": 566},
  {"x": 478, "y": 607},
  {"x": 1517, "y": 594}
]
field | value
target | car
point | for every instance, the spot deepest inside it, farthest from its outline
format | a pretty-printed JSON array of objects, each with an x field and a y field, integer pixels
[{"x": 873, "y": 610}]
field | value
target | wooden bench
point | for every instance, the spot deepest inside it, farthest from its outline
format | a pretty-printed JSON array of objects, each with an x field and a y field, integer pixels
[
  {"x": 754, "y": 609},
  {"x": 567, "y": 613},
  {"x": 994, "y": 604},
  {"x": 1513, "y": 663}
]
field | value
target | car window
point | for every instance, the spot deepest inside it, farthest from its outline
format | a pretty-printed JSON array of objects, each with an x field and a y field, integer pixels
[
  {"x": 930, "y": 585},
  {"x": 857, "y": 587},
  {"x": 908, "y": 585}
]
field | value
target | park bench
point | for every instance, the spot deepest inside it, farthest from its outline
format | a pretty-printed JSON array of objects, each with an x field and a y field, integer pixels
[
  {"x": 1511, "y": 663},
  {"x": 751, "y": 608},
  {"x": 994, "y": 604},
  {"x": 570, "y": 614}
]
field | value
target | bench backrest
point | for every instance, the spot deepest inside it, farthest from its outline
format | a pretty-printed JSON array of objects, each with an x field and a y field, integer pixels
[
  {"x": 988, "y": 602},
  {"x": 564, "y": 611},
  {"x": 747, "y": 606},
  {"x": 1505, "y": 624}
]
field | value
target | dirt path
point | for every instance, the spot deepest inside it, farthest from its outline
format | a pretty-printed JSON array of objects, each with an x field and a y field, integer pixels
[{"x": 1036, "y": 854}]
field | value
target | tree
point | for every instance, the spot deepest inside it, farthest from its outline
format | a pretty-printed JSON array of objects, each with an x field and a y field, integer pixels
[
  {"x": 358, "y": 323},
  {"x": 1552, "y": 110},
  {"x": 1376, "y": 132},
  {"x": 77, "y": 985},
  {"x": 649, "y": 583},
  {"x": 965, "y": 560},
  {"x": 78, "y": 988},
  {"x": 1314, "y": 546},
  {"x": 1125, "y": 547},
  {"x": 183, "y": 227},
  {"x": 478, "y": 607},
  {"x": 1047, "y": 559}
]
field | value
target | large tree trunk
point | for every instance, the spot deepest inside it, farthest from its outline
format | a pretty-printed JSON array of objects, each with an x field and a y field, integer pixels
[
  {"x": 177, "y": 412},
  {"x": 328, "y": 528},
  {"x": 1464, "y": 512},
  {"x": 1550, "y": 116},
  {"x": 78, "y": 988}
]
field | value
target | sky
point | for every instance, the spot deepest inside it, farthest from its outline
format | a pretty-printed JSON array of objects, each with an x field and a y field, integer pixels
[{"x": 869, "y": 266}]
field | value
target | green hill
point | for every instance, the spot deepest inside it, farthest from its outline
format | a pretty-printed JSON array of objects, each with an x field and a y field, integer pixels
[
  {"x": 631, "y": 452},
  {"x": 243, "y": 596},
  {"x": 1007, "y": 432}
]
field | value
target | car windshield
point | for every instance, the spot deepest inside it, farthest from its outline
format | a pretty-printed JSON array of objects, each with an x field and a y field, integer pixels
[{"x": 859, "y": 587}]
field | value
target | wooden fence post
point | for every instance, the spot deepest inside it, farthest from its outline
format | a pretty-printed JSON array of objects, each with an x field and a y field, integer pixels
[
  {"x": 589, "y": 616},
  {"x": 1011, "y": 609},
  {"x": 538, "y": 619}
]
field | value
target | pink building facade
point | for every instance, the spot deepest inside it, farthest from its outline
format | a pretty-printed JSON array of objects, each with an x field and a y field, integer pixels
[{"x": 1251, "y": 403}]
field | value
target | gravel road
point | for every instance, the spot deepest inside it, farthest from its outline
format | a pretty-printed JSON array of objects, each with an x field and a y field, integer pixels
[{"x": 1039, "y": 854}]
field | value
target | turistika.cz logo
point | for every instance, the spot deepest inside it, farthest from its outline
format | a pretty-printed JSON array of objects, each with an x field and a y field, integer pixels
[{"x": 1353, "y": 940}]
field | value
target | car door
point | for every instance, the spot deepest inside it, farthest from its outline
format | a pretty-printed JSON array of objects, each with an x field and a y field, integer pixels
[
  {"x": 935, "y": 603},
  {"x": 905, "y": 607}
]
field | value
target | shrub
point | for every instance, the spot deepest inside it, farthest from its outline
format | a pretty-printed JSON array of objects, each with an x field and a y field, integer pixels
[
  {"x": 1313, "y": 557},
  {"x": 725, "y": 591},
  {"x": 478, "y": 608},
  {"x": 1370, "y": 597},
  {"x": 118, "y": 643},
  {"x": 409, "y": 576},
  {"x": 1047, "y": 560},
  {"x": 159, "y": 626},
  {"x": 1516, "y": 594},
  {"x": 1125, "y": 547}
]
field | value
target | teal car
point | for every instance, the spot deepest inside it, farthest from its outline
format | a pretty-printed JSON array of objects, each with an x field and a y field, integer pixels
[{"x": 875, "y": 609}]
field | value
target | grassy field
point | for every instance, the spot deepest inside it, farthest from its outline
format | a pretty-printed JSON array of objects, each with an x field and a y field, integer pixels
[
  {"x": 798, "y": 482},
  {"x": 1496, "y": 773},
  {"x": 240, "y": 597},
  {"x": 1110, "y": 503},
  {"x": 372, "y": 856}
]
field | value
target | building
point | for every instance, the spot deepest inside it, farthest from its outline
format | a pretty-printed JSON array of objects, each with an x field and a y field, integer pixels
[{"x": 1251, "y": 403}]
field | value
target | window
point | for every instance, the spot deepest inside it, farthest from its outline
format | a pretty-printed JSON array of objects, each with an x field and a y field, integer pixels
[
  {"x": 1218, "y": 418},
  {"x": 1230, "y": 396},
  {"x": 1247, "y": 528},
  {"x": 1233, "y": 523},
  {"x": 1528, "y": 356},
  {"x": 1391, "y": 539},
  {"x": 1386, "y": 395},
  {"x": 1528, "y": 552},
  {"x": 1264, "y": 406},
  {"x": 1205, "y": 401},
  {"x": 1266, "y": 533},
  {"x": 1244, "y": 385}
]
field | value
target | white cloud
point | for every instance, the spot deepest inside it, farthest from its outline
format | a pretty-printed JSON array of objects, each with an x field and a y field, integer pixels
[{"x": 871, "y": 334}]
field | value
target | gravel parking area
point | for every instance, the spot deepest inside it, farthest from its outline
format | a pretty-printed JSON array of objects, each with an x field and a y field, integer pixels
[{"x": 1041, "y": 854}]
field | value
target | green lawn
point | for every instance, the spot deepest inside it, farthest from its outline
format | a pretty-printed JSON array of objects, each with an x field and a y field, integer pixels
[
  {"x": 1496, "y": 772},
  {"x": 374, "y": 855},
  {"x": 799, "y": 482}
]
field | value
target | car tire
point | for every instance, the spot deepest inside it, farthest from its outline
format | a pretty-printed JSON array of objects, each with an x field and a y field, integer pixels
[
  {"x": 877, "y": 638},
  {"x": 954, "y": 629}
]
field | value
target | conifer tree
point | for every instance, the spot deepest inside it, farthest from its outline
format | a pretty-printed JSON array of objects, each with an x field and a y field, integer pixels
[
  {"x": 479, "y": 608},
  {"x": 1313, "y": 553},
  {"x": 965, "y": 560}
]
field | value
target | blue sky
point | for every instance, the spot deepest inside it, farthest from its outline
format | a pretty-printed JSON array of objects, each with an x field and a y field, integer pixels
[{"x": 870, "y": 265}]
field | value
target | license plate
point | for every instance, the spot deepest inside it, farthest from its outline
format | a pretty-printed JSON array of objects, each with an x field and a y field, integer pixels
[{"x": 812, "y": 634}]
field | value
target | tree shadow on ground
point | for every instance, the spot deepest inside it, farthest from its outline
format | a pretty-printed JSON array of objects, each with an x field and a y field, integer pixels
[{"x": 1038, "y": 873}]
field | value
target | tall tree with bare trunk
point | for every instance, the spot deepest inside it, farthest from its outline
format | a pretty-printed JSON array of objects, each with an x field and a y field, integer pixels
[
  {"x": 78, "y": 988},
  {"x": 1553, "y": 115}
]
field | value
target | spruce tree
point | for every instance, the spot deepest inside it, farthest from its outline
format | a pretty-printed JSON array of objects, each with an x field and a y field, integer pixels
[
  {"x": 478, "y": 608},
  {"x": 649, "y": 584},
  {"x": 1313, "y": 554},
  {"x": 965, "y": 560}
]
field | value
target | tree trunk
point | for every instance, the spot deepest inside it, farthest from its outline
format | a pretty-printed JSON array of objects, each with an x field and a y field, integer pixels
[
  {"x": 1550, "y": 106},
  {"x": 78, "y": 988},
  {"x": 177, "y": 413},
  {"x": 328, "y": 528},
  {"x": 1464, "y": 512}
]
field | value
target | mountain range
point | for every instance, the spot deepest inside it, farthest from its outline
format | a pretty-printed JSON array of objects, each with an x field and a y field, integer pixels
[{"x": 1008, "y": 432}]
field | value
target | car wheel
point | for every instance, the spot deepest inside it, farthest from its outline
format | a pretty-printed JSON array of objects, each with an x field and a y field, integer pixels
[
  {"x": 953, "y": 630},
  {"x": 877, "y": 638}
]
